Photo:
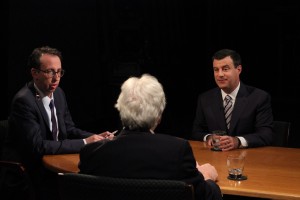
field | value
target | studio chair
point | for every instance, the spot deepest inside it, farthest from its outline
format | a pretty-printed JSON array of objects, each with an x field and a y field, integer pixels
[
  {"x": 281, "y": 131},
  {"x": 75, "y": 186},
  {"x": 15, "y": 183},
  {"x": 3, "y": 133}
]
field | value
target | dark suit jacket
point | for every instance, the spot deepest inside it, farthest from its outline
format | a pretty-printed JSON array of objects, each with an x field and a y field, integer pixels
[
  {"x": 145, "y": 155},
  {"x": 29, "y": 135},
  {"x": 251, "y": 118}
]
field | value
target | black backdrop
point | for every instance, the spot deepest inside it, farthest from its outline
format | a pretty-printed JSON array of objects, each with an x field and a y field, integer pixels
[{"x": 105, "y": 42}]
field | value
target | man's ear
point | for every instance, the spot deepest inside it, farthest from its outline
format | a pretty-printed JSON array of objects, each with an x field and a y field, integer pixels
[
  {"x": 239, "y": 68},
  {"x": 34, "y": 73}
]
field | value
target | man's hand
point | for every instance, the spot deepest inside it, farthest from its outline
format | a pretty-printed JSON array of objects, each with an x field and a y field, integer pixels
[
  {"x": 208, "y": 171},
  {"x": 228, "y": 143},
  {"x": 101, "y": 136}
]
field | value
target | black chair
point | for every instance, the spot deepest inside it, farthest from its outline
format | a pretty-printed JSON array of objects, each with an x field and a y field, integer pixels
[
  {"x": 3, "y": 133},
  {"x": 88, "y": 187},
  {"x": 281, "y": 131},
  {"x": 15, "y": 182}
]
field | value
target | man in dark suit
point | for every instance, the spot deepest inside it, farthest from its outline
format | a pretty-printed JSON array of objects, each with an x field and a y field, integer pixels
[
  {"x": 34, "y": 130},
  {"x": 247, "y": 120},
  {"x": 138, "y": 152}
]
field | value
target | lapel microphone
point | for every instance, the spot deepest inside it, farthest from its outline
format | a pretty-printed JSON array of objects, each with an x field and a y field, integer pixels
[{"x": 37, "y": 96}]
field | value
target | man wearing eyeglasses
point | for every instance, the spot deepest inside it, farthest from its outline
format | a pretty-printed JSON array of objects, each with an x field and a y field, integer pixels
[{"x": 40, "y": 122}]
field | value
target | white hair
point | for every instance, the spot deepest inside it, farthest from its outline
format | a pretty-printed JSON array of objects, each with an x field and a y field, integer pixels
[{"x": 141, "y": 102}]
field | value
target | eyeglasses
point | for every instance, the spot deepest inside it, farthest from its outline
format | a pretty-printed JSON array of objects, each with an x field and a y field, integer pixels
[{"x": 50, "y": 73}]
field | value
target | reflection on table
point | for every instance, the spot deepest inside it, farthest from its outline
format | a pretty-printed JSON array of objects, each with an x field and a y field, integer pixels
[
  {"x": 273, "y": 172},
  {"x": 62, "y": 163}
]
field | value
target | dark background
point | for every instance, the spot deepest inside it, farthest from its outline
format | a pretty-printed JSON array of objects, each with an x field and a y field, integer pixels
[{"x": 104, "y": 42}]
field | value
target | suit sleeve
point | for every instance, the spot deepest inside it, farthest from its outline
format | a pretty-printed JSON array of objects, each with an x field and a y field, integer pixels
[
  {"x": 203, "y": 189},
  {"x": 263, "y": 134},
  {"x": 200, "y": 128},
  {"x": 67, "y": 126},
  {"x": 30, "y": 131}
]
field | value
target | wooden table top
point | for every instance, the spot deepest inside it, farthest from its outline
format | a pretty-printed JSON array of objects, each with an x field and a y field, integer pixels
[
  {"x": 273, "y": 172},
  {"x": 62, "y": 163}
]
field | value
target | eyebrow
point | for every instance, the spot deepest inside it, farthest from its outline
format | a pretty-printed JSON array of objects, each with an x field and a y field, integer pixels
[{"x": 222, "y": 66}]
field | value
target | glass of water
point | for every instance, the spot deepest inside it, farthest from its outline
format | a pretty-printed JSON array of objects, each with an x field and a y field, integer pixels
[
  {"x": 216, "y": 139},
  {"x": 235, "y": 166}
]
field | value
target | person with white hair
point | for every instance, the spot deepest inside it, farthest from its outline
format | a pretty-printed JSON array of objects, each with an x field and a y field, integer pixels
[{"x": 139, "y": 152}]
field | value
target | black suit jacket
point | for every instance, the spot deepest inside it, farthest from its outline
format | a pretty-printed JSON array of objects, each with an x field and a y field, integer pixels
[
  {"x": 251, "y": 118},
  {"x": 145, "y": 155},
  {"x": 29, "y": 135}
]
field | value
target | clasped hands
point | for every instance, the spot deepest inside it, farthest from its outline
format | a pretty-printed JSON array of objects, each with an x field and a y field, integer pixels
[{"x": 226, "y": 142}]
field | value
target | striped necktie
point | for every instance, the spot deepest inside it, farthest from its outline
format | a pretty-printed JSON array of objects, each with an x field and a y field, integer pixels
[
  {"x": 53, "y": 120},
  {"x": 228, "y": 110}
]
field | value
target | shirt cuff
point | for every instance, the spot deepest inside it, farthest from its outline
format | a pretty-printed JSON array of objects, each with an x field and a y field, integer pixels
[
  {"x": 205, "y": 137},
  {"x": 244, "y": 142},
  {"x": 84, "y": 141}
]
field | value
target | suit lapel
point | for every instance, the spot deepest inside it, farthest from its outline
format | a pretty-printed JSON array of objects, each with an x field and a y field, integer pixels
[
  {"x": 58, "y": 105},
  {"x": 219, "y": 109},
  {"x": 39, "y": 103},
  {"x": 239, "y": 105},
  {"x": 43, "y": 111}
]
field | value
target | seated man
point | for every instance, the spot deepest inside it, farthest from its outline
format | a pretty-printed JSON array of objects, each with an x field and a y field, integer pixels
[
  {"x": 40, "y": 122},
  {"x": 243, "y": 111},
  {"x": 139, "y": 152}
]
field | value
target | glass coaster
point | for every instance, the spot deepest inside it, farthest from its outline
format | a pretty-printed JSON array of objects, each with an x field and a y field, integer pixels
[
  {"x": 238, "y": 178},
  {"x": 213, "y": 149}
]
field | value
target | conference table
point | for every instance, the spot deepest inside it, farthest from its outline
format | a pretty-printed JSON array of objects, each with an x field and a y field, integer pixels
[{"x": 272, "y": 172}]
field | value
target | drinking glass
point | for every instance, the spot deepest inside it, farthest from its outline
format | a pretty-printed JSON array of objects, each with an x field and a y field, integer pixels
[
  {"x": 216, "y": 139},
  {"x": 235, "y": 166}
]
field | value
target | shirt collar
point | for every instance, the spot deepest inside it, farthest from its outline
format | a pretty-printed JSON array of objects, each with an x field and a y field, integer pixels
[
  {"x": 46, "y": 100},
  {"x": 233, "y": 94}
]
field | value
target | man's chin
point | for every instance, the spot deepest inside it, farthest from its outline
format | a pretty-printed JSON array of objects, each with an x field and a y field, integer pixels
[
  {"x": 222, "y": 86},
  {"x": 51, "y": 90}
]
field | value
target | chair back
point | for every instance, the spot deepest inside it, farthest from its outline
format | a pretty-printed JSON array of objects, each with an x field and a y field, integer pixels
[
  {"x": 15, "y": 182},
  {"x": 89, "y": 187},
  {"x": 3, "y": 134},
  {"x": 281, "y": 131}
]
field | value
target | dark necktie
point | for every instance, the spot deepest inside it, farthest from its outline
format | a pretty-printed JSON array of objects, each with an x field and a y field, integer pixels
[
  {"x": 53, "y": 120},
  {"x": 228, "y": 110}
]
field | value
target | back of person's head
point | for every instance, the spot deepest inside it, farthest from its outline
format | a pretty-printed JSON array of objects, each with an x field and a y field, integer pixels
[
  {"x": 141, "y": 102},
  {"x": 34, "y": 58},
  {"x": 223, "y": 53}
]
